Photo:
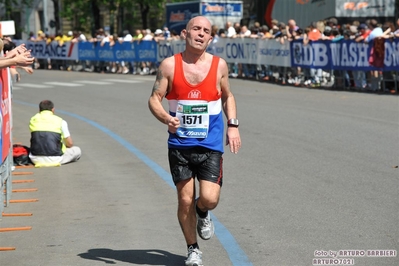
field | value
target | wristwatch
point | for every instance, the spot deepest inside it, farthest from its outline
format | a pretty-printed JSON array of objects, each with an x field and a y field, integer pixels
[{"x": 233, "y": 122}]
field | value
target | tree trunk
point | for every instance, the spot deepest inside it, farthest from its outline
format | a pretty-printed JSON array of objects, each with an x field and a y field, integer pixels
[
  {"x": 144, "y": 9},
  {"x": 56, "y": 15},
  {"x": 96, "y": 17}
]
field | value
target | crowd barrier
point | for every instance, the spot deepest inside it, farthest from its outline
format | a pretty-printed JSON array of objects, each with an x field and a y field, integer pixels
[
  {"x": 255, "y": 57},
  {"x": 6, "y": 139}
]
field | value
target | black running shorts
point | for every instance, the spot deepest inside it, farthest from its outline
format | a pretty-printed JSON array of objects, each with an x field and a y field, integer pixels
[{"x": 199, "y": 162}]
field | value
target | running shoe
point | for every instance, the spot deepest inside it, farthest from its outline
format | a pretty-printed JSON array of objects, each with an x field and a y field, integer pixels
[
  {"x": 205, "y": 227},
  {"x": 194, "y": 257}
]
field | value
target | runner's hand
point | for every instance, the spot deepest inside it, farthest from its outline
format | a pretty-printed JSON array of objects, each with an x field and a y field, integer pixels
[
  {"x": 173, "y": 124},
  {"x": 233, "y": 139}
]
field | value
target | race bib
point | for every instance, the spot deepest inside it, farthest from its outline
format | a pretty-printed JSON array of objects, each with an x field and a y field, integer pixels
[{"x": 194, "y": 120}]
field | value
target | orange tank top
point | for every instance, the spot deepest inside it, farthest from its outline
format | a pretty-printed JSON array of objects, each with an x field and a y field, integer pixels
[{"x": 183, "y": 90}]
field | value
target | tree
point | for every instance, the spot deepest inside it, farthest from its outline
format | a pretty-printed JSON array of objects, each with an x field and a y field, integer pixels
[
  {"x": 87, "y": 13},
  {"x": 12, "y": 9}
]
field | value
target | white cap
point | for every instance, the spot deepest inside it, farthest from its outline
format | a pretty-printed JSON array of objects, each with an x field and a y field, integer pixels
[
  {"x": 158, "y": 31},
  {"x": 70, "y": 33}
]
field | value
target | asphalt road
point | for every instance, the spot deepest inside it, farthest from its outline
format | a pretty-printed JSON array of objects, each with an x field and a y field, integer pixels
[{"x": 316, "y": 174}]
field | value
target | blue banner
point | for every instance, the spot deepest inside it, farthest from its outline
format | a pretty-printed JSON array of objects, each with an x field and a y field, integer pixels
[
  {"x": 178, "y": 14},
  {"x": 346, "y": 55},
  {"x": 215, "y": 8},
  {"x": 126, "y": 51}
]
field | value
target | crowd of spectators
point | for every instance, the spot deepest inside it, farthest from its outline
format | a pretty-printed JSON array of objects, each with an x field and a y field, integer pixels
[{"x": 329, "y": 29}]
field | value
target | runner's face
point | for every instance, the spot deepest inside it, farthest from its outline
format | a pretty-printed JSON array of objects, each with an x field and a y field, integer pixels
[{"x": 199, "y": 34}]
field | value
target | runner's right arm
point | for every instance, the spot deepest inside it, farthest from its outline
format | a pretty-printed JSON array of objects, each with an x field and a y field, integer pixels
[{"x": 159, "y": 91}]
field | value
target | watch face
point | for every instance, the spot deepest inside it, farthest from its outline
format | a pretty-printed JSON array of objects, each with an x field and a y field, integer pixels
[{"x": 233, "y": 122}]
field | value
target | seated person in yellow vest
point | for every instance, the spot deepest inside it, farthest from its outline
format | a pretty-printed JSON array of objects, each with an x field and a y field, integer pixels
[{"x": 51, "y": 143}]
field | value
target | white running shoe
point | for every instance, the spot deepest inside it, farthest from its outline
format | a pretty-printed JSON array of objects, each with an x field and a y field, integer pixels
[
  {"x": 194, "y": 257},
  {"x": 205, "y": 227}
]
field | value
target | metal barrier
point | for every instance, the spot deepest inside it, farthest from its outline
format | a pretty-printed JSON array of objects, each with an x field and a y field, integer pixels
[{"x": 6, "y": 181}]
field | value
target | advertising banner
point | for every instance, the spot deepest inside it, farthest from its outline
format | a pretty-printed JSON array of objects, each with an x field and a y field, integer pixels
[
  {"x": 365, "y": 8},
  {"x": 42, "y": 50},
  {"x": 178, "y": 14},
  {"x": 5, "y": 113},
  {"x": 252, "y": 51},
  {"x": 223, "y": 9},
  {"x": 346, "y": 55},
  {"x": 126, "y": 51},
  {"x": 240, "y": 50}
]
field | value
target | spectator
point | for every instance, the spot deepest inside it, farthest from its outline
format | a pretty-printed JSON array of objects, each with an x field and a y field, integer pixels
[
  {"x": 174, "y": 35},
  {"x": 32, "y": 37},
  {"x": 237, "y": 27},
  {"x": 336, "y": 35},
  {"x": 147, "y": 65},
  {"x": 255, "y": 34},
  {"x": 51, "y": 143},
  {"x": 138, "y": 36},
  {"x": 396, "y": 33},
  {"x": 222, "y": 33},
  {"x": 388, "y": 29},
  {"x": 8, "y": 46},
  {"x": 353, "y": 32},
  {"x": 333, "y": 23},
  {"x": 274, "y": 25},
  {"x": 376, "y": 31},
  {"x": 166, "y": 33},
  {"x": 244, "y": 31},
  {"x": 230, "y": 31},
  {"x": 327, "y": 34},
  {"x": 18, "y": 56},
  {"x": 363, "y": 32},
  {"x": 314, "y": 33},
  {"x": 265, "y": 34},
  {"x": 159, "y": 35},
  {"x": 292, "y": 27},
  {"x": 40, "y": 36}
]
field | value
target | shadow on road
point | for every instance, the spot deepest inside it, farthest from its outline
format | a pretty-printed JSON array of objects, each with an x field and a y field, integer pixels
[{"x": 147, "y": 256}]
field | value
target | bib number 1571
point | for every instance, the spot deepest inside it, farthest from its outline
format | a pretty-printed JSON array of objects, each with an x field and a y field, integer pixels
[{"x": 192, "y": 119}]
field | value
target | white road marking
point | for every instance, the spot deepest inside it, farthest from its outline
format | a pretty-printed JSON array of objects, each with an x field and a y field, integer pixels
[
  {"x": 31, "y": 85},
  {"x": 123, "y": 80},
  {"x": 64, "y": 84},
  {"x": 93, "y": 82}
]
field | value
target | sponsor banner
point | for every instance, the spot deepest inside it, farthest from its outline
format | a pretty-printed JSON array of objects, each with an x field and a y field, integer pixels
[
  {"x": 146, "y": 51},
  {"x": 166, "y": 49},
  {"x": 230, "y": 9},
  {"x": 42, "y": 50},
  {"x": 252, "y": 51},
  {"x": 126, "y": 51},
  {"x": 5, "y": 113},
  {"x": 178, "y": 14},
  {"x": 365, "y": 8},
  {"x": 345, "y": 55}
]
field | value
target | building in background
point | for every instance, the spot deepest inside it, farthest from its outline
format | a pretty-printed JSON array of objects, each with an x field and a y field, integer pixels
[{"x": 306, "y": 11}]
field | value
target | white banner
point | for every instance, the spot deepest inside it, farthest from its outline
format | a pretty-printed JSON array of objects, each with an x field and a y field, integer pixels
[
  {"x": 240, "y": 50},
  {"x": 41, "y": 50}
]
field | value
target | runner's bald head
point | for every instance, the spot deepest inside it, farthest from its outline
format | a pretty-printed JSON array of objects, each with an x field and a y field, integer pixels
[{"x": 200, "y": 19}]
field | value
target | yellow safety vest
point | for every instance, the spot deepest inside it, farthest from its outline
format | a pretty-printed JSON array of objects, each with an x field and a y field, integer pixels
[{"x": 46, "y": 134}]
